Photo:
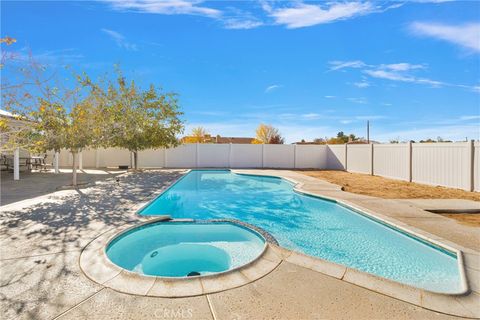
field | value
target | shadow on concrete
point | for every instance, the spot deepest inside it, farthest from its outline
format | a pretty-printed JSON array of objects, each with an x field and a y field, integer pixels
[{"x": 41, "y": 244}]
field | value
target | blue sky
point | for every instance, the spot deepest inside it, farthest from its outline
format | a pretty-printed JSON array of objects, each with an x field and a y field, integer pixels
[{"x": 309, "y": 68}]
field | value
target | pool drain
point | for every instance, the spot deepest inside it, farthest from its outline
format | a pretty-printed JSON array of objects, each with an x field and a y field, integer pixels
[{"x": 193, "y": 273}]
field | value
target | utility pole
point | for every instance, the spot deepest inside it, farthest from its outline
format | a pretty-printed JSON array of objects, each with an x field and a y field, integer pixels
[{"x": 368, "y": 131}]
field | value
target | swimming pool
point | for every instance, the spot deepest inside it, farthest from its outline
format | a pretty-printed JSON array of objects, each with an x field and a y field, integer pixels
[{"x": 311, "y": 225}]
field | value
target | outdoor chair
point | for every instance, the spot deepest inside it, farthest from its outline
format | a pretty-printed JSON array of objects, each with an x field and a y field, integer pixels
[
  {"x": 7, "y": 162},
  {"x": 4, "y": 162},
  {"x": 39, "y": 162}
]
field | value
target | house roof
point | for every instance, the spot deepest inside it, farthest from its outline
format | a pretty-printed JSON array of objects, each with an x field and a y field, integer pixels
[
  {"x": 4, "y": 113},
  {"x": 235, "y": 140}
]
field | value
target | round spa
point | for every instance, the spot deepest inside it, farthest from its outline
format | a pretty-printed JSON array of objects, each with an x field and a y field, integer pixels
[{"x": 185, "y": 249}]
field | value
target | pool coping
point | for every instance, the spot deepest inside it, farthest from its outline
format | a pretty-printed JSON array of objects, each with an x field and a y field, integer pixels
[
  {"x": 96, "y": 266},
  {"x": 463, "y": 304},
  {"x": 386, "y": 221}
]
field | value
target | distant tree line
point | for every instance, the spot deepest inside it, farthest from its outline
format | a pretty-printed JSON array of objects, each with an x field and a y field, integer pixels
[
  {"x": 341, "y": 138},
  {"x": 429, "y": 140}
]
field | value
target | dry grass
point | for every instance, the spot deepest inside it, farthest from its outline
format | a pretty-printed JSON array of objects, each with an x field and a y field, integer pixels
[{"x": 388, "y": 188}]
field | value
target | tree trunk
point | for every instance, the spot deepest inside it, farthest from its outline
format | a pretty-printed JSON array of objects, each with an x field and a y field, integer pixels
[
  {"x": 74, "y": 169},
  {"x": 135, "y": 160}
]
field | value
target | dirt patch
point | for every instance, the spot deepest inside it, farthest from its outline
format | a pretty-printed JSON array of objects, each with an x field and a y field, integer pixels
[
  {"x": 468, "y": 219},
  {"x": 388, "y": 188}
]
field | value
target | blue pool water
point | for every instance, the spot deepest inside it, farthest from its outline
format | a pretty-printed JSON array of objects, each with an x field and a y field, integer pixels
[
  {"x": 174, "y": 249},
  {"x": 310, "y": 225}
]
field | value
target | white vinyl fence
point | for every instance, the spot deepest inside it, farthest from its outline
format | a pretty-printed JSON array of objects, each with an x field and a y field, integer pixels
[
  {"x": 476, "y": 167},
  {"x": 454, "y": 165},
  {"x": 360, "y": 158},
  {"x": 392, "y": 161}
]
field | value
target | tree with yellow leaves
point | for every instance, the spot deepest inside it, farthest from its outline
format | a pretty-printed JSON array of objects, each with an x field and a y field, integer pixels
[
  {"x": 78, "y": 114},
  {"x": 267, "y": 134},
  {"x": 137, "y": 119},
  {"x": 55, "y": 114},
  {"x": 197, "y": 135},
  {"x": 65, "y": 118}
]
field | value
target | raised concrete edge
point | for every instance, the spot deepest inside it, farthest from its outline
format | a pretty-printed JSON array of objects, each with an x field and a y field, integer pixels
[
  {"x": 95, "y": 264},
  {"x": 444, "y": 205}
]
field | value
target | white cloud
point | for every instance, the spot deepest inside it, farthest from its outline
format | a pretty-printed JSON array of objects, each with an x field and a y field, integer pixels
[
  {"x": 431, "y": 1},
  {"x": 294, "y": 15},
  {"x": 403, "y": 66},
  {"x": 396, "y": 76},
  {"x": 305, "y": 15},
  {"x": 51, "y": 58},
  {"x": 370, "y": 117},
  {"x": 272, "y": 87},
  {"x": 235, "y": 23},
  {"x": 402, "y": 72},
  {"x": 361, "y": 84},
  {"x": 165, "y": 7},
  {"x": 449, "y": 132},
  {"x": 230, "y": 17},
  {"x": 311, "y": 116},
  {"x": 466, "y": 35},
  {"x": 338, "y": 65},
  {"x": 297, "y": 116},
  {"x": 330, "y": 97},
  {"x": 362, "y": 118},
  {"x": 467, "y": 118},
  {"x": 360, "y": 100},
  {"x": 120, "y": 40},
  {"x": 390, "y": 75}
]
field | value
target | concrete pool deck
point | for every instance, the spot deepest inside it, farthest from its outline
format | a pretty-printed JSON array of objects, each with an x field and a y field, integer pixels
[{"x": 42, "y": 238}]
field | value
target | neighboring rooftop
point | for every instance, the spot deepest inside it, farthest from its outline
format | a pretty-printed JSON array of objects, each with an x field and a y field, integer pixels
[
  {"x": 4, "y": 113},
  {"x": 217, "y": 139}
]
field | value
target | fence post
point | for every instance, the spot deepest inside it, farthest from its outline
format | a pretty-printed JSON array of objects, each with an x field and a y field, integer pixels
[
  {"x": 80, "y": 160},
  {"x": 371, "y": 159},
  {"x": 471, "y": 165},
  {"x": 16, "y": 164},
  {"x": 165, "y": 158},
  {"x": 230, "y": 156},
  {"x": 97, "y": 158},
  {"x": 196, "y": 155},
  {"x": 410, "y": 161},
  {"x": 346, "y": 158},
  {"x": 263, "y": 155},
  {"x": 294, "y": 156}
]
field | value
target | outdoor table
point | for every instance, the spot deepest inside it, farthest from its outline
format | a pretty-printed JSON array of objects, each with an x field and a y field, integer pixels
[
  {"x": 37, "y": 161},
  {"x": 33, "y": 161}
]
